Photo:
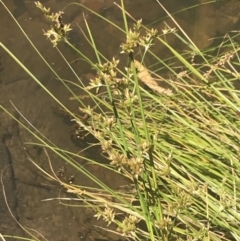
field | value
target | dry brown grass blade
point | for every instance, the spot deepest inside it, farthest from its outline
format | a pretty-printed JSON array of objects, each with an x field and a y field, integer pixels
[
  {"x": 2, "y": 237},
  {"x": 11, "y": 213},
  {"x": 146, "y": 78}
]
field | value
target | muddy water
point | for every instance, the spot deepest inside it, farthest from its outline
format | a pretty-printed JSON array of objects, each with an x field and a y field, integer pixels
[{"x": 29, "y": 187}]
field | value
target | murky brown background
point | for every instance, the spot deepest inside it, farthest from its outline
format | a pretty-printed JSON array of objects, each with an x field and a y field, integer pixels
[{"x": 24, "y": 185}]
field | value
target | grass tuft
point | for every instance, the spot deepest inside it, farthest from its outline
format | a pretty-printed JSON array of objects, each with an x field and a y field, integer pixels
[{"x": 175, "y": 138}]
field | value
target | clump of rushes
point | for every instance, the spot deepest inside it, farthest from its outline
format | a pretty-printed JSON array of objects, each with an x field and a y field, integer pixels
[
  {"x": 178, "y": 147},
  {"x": 167, "y": 144}
]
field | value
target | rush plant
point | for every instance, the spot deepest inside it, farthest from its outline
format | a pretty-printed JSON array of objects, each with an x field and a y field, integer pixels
[{"x": 175, "y": 138}]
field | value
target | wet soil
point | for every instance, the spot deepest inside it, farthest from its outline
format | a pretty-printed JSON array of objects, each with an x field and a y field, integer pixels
[{"x": 23, "y": 184}]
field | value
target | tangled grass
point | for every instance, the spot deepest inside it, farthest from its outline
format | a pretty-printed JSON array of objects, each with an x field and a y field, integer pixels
[{"x": 177, "y": 141}]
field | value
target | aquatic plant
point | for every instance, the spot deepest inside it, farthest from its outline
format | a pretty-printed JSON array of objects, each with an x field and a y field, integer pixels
[{"x": 175, "y": 138}]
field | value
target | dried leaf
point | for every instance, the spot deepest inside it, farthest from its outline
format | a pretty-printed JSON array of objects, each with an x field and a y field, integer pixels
[{"x": 147, "y": 79}]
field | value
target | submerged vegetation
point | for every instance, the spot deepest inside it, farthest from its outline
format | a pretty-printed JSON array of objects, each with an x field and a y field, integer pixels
[{"x": 175, "y": 138}]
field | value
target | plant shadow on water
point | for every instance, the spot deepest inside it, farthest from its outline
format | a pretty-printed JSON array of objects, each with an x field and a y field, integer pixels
[{"x": 48, "y": 218}]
